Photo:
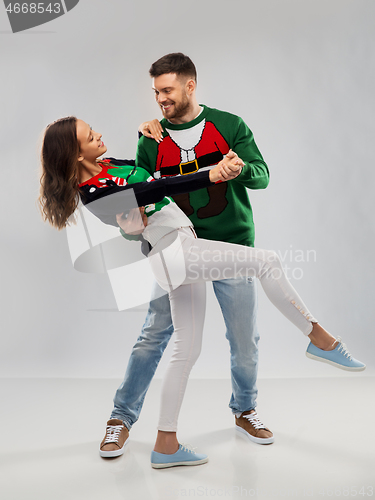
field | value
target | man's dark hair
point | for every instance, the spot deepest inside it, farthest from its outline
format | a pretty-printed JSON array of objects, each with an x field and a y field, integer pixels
[{"x": 176, "y": 63}]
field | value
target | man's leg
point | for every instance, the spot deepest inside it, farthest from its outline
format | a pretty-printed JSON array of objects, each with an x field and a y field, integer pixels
[
  {"x": 238, "y": 302},
  {"x": 143, "y": 361},
  {"x": 142, "y": 364}
]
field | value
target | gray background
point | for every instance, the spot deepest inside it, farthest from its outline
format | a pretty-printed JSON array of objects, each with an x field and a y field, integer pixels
[{"x": 301, "y": 74}]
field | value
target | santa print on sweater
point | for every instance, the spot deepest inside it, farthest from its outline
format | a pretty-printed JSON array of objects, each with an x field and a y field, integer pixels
[{"x": 184, "y": 152}]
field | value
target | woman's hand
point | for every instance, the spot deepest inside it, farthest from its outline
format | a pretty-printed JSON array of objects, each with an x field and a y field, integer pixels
[
  {"x": 134, "y": 223},
  {"x": 228, "y": 168},
  {"x": 152, "y": 130}
]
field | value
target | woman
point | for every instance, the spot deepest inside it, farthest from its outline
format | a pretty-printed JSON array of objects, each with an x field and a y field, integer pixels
[{"x": 180, "y": 261}]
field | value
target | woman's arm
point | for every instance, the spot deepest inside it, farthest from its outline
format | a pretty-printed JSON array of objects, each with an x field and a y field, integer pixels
[{"x": 107, "y": 201}]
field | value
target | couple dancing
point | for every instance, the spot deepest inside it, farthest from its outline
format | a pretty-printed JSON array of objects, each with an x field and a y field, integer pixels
[{"x": 217, "y": 159}]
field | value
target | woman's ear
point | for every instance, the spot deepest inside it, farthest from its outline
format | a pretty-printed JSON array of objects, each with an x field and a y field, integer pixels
[{"x": 80, "y": 158}]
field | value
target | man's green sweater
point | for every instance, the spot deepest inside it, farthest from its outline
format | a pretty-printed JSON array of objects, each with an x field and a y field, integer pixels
[{"x": 221, "y": 212}]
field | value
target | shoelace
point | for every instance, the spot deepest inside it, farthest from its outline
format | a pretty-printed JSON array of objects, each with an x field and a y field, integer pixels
[
  {"x": 254, "y": 420},
  {"x": 343, "y": 349},
  {"x": 112, "y": 433},
  {"x": 188, "y": 448}
]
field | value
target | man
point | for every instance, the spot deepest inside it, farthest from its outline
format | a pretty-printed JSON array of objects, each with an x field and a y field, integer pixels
[{"x": 196, "y": 137}]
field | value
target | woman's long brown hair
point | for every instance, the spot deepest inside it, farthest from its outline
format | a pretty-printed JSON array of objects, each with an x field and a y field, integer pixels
[{"x": 59, "y": 181}]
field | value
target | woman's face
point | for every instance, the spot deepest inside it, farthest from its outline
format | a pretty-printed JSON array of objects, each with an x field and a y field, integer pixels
[{"x": 91, "y": 145}]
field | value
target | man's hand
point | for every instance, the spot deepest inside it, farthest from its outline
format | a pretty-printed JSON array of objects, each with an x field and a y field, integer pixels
[
  {"x": 228, "y": 168},
  {"x": 152, "y": 130},
  {"x": 134, "y": 223}
]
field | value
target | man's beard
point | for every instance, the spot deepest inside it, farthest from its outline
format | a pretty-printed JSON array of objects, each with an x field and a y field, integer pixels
[{"x": 180, "y": 109}]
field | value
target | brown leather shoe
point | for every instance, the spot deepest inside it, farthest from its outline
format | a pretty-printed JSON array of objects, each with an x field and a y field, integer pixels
[
  {"x": 115, "y": 439},
  {"x": 248, "y": 423}
]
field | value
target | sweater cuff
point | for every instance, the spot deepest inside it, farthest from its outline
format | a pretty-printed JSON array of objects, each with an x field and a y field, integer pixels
[{"x": 130, "y": 237}]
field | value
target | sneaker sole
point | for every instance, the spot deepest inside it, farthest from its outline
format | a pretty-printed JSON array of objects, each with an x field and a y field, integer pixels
[
  {"x": 113, "y": 453},
  {"x": 253, "y": 438},
  {"x": 337, "y": 365},
  {"x": 175, "y": 464}
]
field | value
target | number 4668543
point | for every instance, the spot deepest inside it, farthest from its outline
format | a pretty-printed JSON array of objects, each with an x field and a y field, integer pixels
[{"x": 34, "y": 8}]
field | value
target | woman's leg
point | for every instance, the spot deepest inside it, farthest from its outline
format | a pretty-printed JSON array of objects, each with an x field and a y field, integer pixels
[
  {"x": 188, "y": 259},
  {"x": 206, "y": 260},
  {"x": 188, "y": 306}
]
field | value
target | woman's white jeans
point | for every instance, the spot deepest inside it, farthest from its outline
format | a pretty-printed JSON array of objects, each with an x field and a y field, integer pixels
[{"x": 182, "y": 264}]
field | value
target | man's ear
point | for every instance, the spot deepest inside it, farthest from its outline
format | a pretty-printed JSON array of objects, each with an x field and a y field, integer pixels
[{"x": 190, "y": 86}]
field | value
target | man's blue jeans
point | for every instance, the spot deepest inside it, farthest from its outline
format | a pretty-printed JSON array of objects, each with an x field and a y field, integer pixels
[{"x": 238, "y": 302}]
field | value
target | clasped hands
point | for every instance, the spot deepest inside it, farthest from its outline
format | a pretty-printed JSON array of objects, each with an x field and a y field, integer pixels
[{"x": 228, "y": 168}]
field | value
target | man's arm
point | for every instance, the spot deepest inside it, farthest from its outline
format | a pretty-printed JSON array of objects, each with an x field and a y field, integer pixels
[
  {"x": 255, "y": 173},
  {"x": 147, "y": 151}
]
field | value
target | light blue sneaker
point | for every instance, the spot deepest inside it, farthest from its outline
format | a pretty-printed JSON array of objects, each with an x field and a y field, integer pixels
[
  {"x": 183, "y": 456},
  {"x": 339, "y": 357}
]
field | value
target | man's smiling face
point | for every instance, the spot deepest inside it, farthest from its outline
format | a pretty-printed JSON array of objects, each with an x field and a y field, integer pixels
[{"x": 171, "y": 93}]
